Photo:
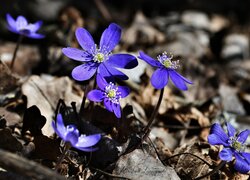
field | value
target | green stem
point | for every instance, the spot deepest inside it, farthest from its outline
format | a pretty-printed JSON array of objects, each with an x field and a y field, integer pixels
[{"x": 20, "y": 38}]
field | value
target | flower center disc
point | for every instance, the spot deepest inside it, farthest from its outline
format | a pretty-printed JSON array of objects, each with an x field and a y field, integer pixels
[
  {"x": 99, "y": 57},
  {"x": 111, "y": 93},
  {"x": 236, "y": 145},
  {"x": 167, "y": 63}
]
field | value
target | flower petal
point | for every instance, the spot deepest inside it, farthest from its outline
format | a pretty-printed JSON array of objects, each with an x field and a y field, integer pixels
[
  {"x": 241, "y": 165},
  {"x": 76, "y": 54},
  {"x": 34, "y": 27},
  {"x": 71, "y": 135},
  {"x": 226, "y": 154},
  {"x": 242, "y": 137},
  {"x": 101, "y": 82},
  {"x": 11, "y": 21},
  {"x": 87, "y": 141},
  {"x": 108, "y": 104},
  {"x": 246, "y": 155},
  {"x": 124, "y": 90},
  {"x": 90, "y": 149},
  {"x": 85, "y": 40},
  {"x": 213, "y": 139},
  {"x": 126, "y": 61},
  {"x": 230, "y": 130},
  {"x": 217, "y": 130},
  {"x": 117, "y": 110},
  {"x": 35, "y": 35},
  {"x": 84, "y": 71},
  {"x": 95, "y": 95},
  {"x": 21, "y": 23},
  {"x": 113, "y": 72},
  {"x": 110, "y": 37},
  {"x": 159, "y": 78},
  {"x": 59, "y": 128},
  {"x": 178, "y": 80},
  {"x": 149, "y": 60}
]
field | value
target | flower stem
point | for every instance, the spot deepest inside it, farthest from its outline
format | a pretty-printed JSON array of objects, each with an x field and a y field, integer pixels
[
  {"x": 66, "y": 147},
  {"x": 152, "y": 118},
  {"x": 20, "y": 38}
]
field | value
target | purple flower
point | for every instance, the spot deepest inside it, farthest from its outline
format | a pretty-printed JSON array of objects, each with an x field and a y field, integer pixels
[
  {"x": 165, "y": 69},
  {"x": 22, "y": 27},
  {"x": 99, "y": 59},
  {"x": 110, "y": 94},
  {"x": 71, "y": 134},
  {"x": 233, "y": 146}
]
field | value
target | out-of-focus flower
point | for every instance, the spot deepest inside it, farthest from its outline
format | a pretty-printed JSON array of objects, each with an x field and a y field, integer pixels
[
  {"x": 165, "y": 69},
  {"x": 233, "y": 146},
  {"x": 99, "y": 59},
  {"x": 110, "y": 94},
  {"x": 22, "y": 27},
  {"x": 71, "y": 135}
]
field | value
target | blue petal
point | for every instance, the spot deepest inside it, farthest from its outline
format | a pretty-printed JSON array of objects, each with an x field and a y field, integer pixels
[
  {"x": 108, "y": 104},
  {"x": 71, "y": 135},
  {"x": 95, "y": 95},
  {"x": 226, "y": 154},
  {"x": 90, "y": 149},
  {"x": 117, "y": 110},
  {"x": 149, "y": 60},
  {"x": 242, "y": 137},
  {"x": 124, "y": 90},
  {"x": 246, "y": 155},
  {"x": 59, "y": 128},
  {"x": 113, "y": 72},
  {"x": 230, "y": 130},
  {"x": 110, "y": 37},
  {"x": 76, "y": 54},
  {"x": 178, "y": 80},
  {"x": 101, "y": 82},
  {"x": 213, "y": 139},
  {"x": 11, "y": 22},
  {"x": 85, "y": 40},
  {"x": 87, "y": 141},
  {"x": 217, "y": 130},
  {"x": 35, "y": 35},
  {"x": 84, "y": 71},
  {"x": 126, "y": 61},
  {"x": 21, "y": 23},
  {"x": 241, "y": 165},
  {"x": 159, "y": 78},
  {"x": 34, "y": 27}
]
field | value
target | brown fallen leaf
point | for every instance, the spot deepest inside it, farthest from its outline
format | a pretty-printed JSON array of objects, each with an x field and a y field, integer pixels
[
  {"x": 45, "y": 91},
  {"x": 11, "y": 118},
  {"x": 8, "y": 141}
]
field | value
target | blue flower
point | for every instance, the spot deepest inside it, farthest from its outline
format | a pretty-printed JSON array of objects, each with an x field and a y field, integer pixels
[
  {"x": 99, "y": 59},
  {"x": 71, "y": 135},
  {"x": 165, "y": 69},
  {"x": 233, "y": 146},
  {"x": 22, "y": 27},
  {"x": 110, "y": 94}
]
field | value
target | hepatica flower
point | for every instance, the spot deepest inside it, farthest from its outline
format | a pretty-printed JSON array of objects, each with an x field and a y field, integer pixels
[
  {"x": 99, "y": 58},
  {"x": 22, "y": 27},
  {"x": 71, "y": 135},
  {"x": 165, "y": 68},
  {"x": 110, "y": 94},
  {"x": 233, "y": 146}
]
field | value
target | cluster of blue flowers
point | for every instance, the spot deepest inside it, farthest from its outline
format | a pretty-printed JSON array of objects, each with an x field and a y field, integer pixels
[{"x": 99, "y": 62}]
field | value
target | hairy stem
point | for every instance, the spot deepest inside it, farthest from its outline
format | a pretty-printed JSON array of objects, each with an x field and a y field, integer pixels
[
  {"x": 20, "y": 38},
  {"x": 66, "y": 147}
]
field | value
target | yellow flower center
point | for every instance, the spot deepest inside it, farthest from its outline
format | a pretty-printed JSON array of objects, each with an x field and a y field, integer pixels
[
  {"x": 167, "y": 63},
  {"x": 111, "y": 93},
  {"x": 99, "y": 57},
  {"x": 236, "y": 145}
]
